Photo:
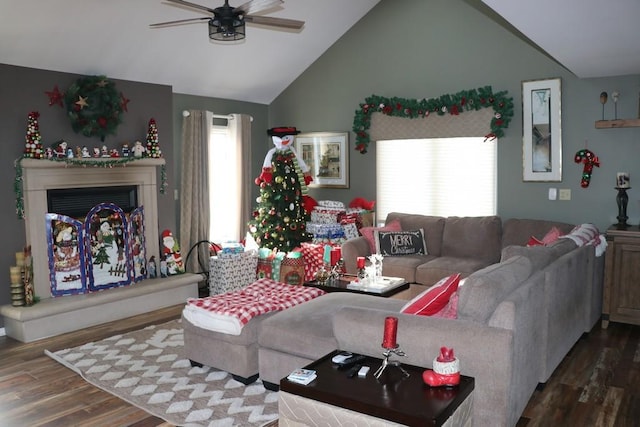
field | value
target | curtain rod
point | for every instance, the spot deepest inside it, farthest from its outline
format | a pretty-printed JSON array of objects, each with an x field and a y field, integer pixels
[{"x": 186, "y": 113}]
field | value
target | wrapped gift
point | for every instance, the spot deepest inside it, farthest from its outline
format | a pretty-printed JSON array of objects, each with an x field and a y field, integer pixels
[
  {"x": 227, "y": 274},
  {"x": 325, "y": 215},
  {"x": 325, "y": 231},
  {"x": 232, "y": 248},
  {"x": 331, "y": 204},
  {"x": 313, "y": 254},
  {"x": 350, "y": 230},
  {"x": 292, "y": 269}
]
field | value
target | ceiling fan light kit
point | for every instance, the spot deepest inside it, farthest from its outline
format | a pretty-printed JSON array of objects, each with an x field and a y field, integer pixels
[{"x": 227, "y": 23}]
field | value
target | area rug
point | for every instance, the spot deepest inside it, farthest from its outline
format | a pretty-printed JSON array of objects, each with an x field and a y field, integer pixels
[{"x": 147, "y": 368}]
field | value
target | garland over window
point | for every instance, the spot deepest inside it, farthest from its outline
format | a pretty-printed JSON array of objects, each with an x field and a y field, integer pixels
[{"x": 453, "y": 104}]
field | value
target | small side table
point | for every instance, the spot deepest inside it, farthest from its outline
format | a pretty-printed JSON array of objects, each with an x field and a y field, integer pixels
[{"x": 392, "y": 400}]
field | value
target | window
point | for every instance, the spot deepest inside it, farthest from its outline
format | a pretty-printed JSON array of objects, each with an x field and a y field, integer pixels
[
  {"x": 436, "y": 176},
  {"x": 224, "y": 182}
]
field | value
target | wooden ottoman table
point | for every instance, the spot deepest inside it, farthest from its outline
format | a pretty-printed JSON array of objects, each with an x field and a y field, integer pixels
[{"x": 334, "y": 399}]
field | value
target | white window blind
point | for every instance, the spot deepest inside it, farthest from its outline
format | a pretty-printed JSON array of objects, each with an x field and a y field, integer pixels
[{"x": 436, "y": 176}]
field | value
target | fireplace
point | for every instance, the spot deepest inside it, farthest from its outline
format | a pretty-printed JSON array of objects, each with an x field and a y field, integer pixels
[
  {"x": 61, "y": 188},
  {"x": 57, "y": 315}
]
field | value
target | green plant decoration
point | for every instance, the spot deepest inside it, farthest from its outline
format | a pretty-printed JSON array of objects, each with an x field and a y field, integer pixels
[
  {"x": 454, "y": 104},
  {"x": 94, "y": 106}
]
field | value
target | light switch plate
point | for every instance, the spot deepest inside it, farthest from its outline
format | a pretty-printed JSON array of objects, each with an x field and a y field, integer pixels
[
  {"x": 553, "y": 194},
  {"x": 565, "y": 194}
]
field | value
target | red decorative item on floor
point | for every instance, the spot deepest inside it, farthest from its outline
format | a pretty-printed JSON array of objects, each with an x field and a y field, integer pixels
[{"x": 590, "y": 160}]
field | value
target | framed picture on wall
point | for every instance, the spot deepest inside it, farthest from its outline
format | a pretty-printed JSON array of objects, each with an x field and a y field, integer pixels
[
  {"x": 542, "y": 132},
  {"x": 327, "y": 155}
]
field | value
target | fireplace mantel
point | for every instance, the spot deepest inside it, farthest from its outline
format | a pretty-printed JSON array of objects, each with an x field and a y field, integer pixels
[{"x": 39, "y": 176}]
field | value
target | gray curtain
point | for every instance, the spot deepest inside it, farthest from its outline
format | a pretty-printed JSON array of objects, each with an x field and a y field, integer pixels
[{"x": 194, "y": 188}]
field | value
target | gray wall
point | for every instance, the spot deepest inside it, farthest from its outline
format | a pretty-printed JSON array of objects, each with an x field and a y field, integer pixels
[
  {"x": 22, "y": 90},
  {"x": 427, "y": 48}
]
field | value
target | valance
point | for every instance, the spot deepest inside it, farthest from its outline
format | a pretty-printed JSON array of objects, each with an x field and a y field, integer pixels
[{"x": 485, "y": 113}]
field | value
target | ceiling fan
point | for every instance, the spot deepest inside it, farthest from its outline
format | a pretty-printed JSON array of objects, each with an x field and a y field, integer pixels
[{"x": 227, "y": 22}]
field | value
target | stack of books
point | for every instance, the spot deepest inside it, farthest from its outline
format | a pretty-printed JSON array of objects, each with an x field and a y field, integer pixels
[{"x": 302, "y": 376}]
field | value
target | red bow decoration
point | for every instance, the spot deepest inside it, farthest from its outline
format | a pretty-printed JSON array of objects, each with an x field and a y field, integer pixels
[{"x": 590, "y": 160}]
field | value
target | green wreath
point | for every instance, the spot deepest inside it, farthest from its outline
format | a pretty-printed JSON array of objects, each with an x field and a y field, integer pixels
[{"x": 94, "y": 106}]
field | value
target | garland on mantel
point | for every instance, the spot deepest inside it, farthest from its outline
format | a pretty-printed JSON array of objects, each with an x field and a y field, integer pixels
[
  {"x": 454, "y": 104},
  {"x": 101, "y": 162}
]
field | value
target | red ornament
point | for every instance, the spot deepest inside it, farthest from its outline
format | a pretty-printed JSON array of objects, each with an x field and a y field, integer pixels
[
  {"x": 55, "y": 96},
  {"x": 102, "y": 122}
]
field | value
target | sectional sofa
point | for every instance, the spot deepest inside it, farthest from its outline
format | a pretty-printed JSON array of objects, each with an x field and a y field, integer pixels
[{"x": 520, "y": 310}]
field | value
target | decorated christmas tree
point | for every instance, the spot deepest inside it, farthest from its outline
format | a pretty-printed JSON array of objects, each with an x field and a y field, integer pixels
[
  {"x": 153, "y": 147},
  {"x": 33, "y": 146},
  {"x": 279, "y": 221}
]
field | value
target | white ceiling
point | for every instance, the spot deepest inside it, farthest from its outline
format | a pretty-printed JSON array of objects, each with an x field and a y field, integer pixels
[
  {"x": 591, "y": 38},
  {"x": 113, "y": 38}
]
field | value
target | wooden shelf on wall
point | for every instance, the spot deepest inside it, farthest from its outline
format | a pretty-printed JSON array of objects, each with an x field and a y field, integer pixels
[{"x": 621, "y": 123}]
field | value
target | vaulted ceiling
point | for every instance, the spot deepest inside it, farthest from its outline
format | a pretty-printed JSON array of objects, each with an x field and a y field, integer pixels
[{"x": 591, "y": 38}]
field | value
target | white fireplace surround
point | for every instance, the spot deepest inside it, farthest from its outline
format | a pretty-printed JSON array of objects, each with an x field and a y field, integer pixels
[
  {"x": 54, "y": 316},
  {"x": 39, "y": 176}
]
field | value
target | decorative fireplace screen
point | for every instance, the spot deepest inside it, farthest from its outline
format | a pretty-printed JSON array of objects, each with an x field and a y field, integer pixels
[{"x": 105, "y": 250}]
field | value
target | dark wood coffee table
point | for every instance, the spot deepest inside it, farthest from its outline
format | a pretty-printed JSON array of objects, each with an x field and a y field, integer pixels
[
  {"x": 393, "y": 397},
  {"x": 342, "y": 285}
]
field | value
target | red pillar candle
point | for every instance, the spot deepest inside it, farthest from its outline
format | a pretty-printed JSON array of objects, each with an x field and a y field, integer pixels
[
  {"x": 390, "y": 332},
  {"x": 360, "y": 261},
  {"x": 335, "y": 256}
]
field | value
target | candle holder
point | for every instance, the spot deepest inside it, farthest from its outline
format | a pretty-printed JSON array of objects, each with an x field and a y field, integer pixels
[
  {"x": 622, "y": 199},
  {"x": 386, "y": 354}
]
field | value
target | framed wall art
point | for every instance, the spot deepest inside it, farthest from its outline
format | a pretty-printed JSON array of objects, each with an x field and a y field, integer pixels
[
  {"x": 327, "y": 155},
  {"x": 542, "y": 132}
]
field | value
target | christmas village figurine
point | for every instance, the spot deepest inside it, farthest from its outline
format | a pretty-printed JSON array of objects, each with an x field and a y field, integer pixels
[
  {"x": 125, "y": 150},
  {"x": 171, "y": 254},
  {"x": 60, "y": 149},
  {"x": 279, "y": 221},
  {"x": 33, "y": 145},
  {"x": 151, "y": 267},
  {"x": 138, "y": 149},
  {"x": 446, "y": 370}
]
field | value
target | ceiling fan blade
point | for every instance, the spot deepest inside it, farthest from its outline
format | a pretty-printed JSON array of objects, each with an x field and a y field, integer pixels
[
  {"x": 178, "y": 22},
  {"x": 274, "y": 22},
  {"x": 256, "y": 6},
  {"x": 193, "y": 5}
]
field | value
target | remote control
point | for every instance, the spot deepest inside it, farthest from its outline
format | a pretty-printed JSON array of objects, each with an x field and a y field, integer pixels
[
  {"x": 363, "y": 371},
  {"x": 353, "y": 371}
]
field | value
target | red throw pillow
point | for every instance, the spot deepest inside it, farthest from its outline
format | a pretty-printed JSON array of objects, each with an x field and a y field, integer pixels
[
  {"x": 534, "y": 242},
  {"x": 433, "y": 299},
  {"x": 368, "y": 232},
  {"x": 552, "y": 236},
  {"x": 450, "y": 311}
]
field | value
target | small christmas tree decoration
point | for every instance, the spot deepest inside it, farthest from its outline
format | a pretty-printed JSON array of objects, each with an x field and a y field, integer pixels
[
  {"x": 153, "y": 147},
  {"x": 33, "y": 146}
]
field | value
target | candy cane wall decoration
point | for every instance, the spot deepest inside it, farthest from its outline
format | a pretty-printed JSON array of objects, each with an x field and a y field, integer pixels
[{"x": 590, "y": 160}]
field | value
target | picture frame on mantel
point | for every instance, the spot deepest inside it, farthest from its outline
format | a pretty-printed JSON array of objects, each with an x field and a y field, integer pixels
[
  {"x": 541, "y": 130},
  {"x": 327, "y": 155}
]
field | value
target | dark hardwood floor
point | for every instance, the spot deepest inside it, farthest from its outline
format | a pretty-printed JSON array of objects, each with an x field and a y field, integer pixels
[{"x": 597, "y": 384}]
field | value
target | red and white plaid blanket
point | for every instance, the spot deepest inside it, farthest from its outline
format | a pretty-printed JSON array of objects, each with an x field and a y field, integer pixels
[{"x": 229, "y": 312}]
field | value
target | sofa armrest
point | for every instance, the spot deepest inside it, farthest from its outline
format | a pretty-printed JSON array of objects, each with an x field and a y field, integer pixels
[
  {"x": 485, "y": 352},
  {"x": 352, "y": 249}
]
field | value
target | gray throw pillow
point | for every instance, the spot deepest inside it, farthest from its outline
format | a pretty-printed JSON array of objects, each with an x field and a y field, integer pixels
[{"x": 392, "y": 243}]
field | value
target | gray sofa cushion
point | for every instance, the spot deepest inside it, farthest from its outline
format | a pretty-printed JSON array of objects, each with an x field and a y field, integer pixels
[
  {"x": 429, "y": 273},
  {"x": 431, "y": 225},
  {"x": 518, "y": 231},
  {"x": 479, "y": 238},
  {"x": 486, "y": 288},
  {"x": 404, "y": 266},
  {"x": 540, "y": 256}
]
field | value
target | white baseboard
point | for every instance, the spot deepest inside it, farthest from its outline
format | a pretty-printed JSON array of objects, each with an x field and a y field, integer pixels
[{"x": 2, "y": 332}]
